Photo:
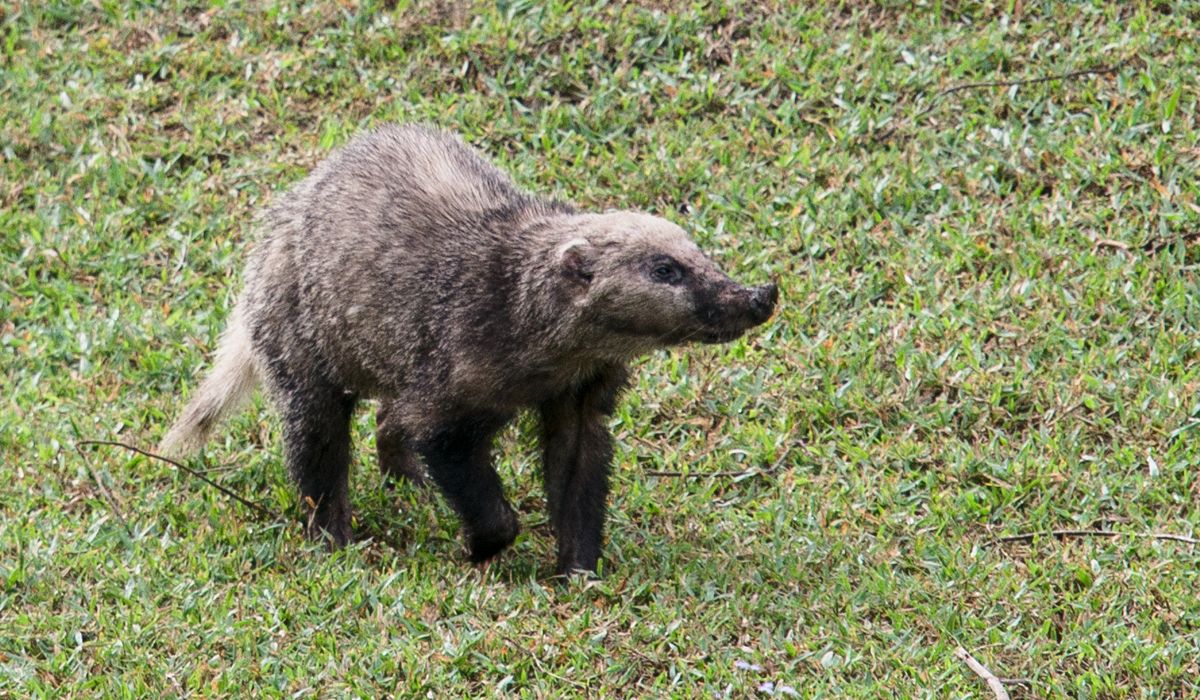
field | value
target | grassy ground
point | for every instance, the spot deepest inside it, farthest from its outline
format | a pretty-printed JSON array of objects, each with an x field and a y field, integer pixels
[{"x": 989, "y": 327}]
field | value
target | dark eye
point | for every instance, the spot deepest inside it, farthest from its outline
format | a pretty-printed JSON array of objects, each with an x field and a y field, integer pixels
[{"x": 666, "y": 272}]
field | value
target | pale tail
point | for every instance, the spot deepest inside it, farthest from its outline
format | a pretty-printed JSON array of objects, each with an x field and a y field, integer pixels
[{"x": 232, "y": 379}]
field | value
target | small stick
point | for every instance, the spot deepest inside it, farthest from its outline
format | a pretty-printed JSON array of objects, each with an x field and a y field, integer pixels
[
  {"x": 1159, "y": 242},
  {"x": 1110, "y": 243},
  {"x": 1097, "y": 70},
  {"x": 1029, "y": 536},
  {"x": 198, "y": 474},
  {"x": 112, "y": 501},
  {"x": 936, "y": 99},
  {"x": 982, "y": 671},
  {"x": 1017, "y": 681},
  {"x": 710, "y": 475},
  {"x": 726, "y": 474}
]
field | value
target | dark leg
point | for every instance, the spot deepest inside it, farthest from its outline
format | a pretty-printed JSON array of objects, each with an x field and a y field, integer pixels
[
  {"x": 459, "y": 461},
  {"x": 317, "y": 445},
  {"x": 397, "y": 461},
  {"x": 577, "y": 453}
]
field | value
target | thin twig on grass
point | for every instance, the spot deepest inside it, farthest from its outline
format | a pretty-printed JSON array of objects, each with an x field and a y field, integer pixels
[
  {"x": 196, "y": 473},
  {"x": 775, "y": 466},
  {"x": 1157, "y": 243},
  {"x": 1153, "y": 245},
  {"x": 1110, "y": 243},
  {"x": 936, "y": 100},
  {"x": 1097, "y": 70},
  {"x": 1029, "y": 536},
  {"x": 108, "y": 496},
  {"x": 1017, "y": 681},
  {"x": 993, "y": 681}
]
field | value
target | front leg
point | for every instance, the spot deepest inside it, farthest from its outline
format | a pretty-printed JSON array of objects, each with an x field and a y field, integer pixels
[
  {"x": 576, "y": 454},
  {"x": 458, "y": 457}
]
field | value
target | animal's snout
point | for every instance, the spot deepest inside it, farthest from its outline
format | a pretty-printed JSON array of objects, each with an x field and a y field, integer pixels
[
  {"x": 734, "y": 309},
  {"x": 762, "y": 301}
]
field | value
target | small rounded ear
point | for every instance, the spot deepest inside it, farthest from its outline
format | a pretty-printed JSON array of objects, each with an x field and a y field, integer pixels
[{"x": 574, "y": 260}]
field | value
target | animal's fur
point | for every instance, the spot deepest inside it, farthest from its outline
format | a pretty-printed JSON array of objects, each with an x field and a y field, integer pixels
[
  {"x": 231, "y": 381},
  {"x": 406, "y": 268}
]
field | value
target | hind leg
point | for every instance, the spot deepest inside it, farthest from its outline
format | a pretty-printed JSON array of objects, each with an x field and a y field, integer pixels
[
  {"x": 317, "y": 446},
  {"x": 397, "y": 460},
  {"x": 459, "y": 460}
]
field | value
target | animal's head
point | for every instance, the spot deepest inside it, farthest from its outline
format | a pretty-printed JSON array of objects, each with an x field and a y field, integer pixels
[{"x": 641, "y": 278}]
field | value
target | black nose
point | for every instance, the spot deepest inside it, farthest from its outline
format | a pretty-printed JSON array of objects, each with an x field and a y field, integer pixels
[{"x": 762, "y": 301}]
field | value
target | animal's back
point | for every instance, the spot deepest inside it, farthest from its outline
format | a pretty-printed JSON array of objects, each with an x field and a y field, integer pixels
[
  {"x": 353, "y": 259},
  {"x": 390, "y": 183},
  {"x": 427, "y": 167}
]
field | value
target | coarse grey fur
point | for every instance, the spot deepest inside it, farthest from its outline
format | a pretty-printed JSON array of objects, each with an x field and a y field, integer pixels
[{"x": 407, "y": 269}]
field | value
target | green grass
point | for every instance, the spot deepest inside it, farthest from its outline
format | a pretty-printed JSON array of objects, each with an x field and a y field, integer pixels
[{"x": 989, "y": 326}]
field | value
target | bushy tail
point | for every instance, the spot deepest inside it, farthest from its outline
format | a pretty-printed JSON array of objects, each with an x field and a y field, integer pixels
[{"x": 232, "y": 379}]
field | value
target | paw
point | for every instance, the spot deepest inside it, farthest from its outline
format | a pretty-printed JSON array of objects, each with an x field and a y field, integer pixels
[
  {"x": 568, "y": 571},
  {"x": 324, "y": 525},
  {"x": 483, "y": 544},
  {"x": 399, "y": 469},
  {"x": 335, "y": 536}
]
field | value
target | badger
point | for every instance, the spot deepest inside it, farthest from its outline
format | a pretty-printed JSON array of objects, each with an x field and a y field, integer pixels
[{"x": 409, "y": 270}]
